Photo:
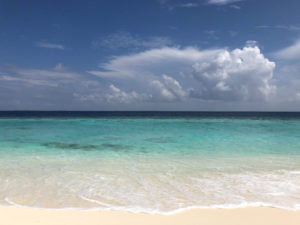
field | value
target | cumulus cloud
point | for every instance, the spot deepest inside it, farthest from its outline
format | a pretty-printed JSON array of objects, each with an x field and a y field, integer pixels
[
  {"x": 242, "y": 74},
  {"x": 215, "y": 74},
  {"x": 156, "y": 76},
  {"x": 168, "y": 89},
  {"x": 291, "y": 52},
  {"x": 116, "y": 95},
  {"x": 50, "y": 45}
]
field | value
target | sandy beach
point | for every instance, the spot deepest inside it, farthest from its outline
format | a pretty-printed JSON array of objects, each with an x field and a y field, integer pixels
[{"x": 246, "y": 216}]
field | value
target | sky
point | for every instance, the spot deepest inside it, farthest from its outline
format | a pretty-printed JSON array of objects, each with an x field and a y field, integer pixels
[{"x": 195, "y": 55}]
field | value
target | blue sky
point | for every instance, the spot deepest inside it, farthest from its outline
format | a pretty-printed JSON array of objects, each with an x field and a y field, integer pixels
[{"x": 150, "y": 55}]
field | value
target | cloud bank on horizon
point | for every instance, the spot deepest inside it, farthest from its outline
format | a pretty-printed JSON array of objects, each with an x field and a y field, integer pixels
[
  {"x": 160, "y": 75},
  {"x": 218, "y": 74},
  {"x": 123, "y": 70}
]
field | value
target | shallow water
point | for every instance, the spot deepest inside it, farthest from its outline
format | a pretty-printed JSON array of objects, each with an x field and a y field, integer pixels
[{"x": 150, "y": 164}]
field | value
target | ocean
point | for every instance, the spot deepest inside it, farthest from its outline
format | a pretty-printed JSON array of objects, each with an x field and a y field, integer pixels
[{"x": 153, "y": 162}]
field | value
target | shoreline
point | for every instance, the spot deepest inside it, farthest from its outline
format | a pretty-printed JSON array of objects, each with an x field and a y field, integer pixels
[
  {"x": 12, "y": 215},
  {"x": 156, "y": 212}
]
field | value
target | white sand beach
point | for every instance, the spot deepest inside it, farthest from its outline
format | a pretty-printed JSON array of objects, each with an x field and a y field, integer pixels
[{"x": 247, "y": 216}]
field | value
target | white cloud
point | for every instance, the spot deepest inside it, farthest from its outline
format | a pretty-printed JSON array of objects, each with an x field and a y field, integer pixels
[
  {"x": 188, "y": 5},
  {"x": 166, "y": 74},
  {"x": 50, "y": 45},
  {"x": 290, "y": 52},
  {"x": 45, "y": 74},
  {"x": 57, "y": 88},
  {"x": 56, "y": 77},
  {"x": 116, "y": 95},
  {"x": 33, "y": 82},
  {"x": 168, "y": 89},
  {"x": 172, "y": 4},
  {"x": 251, "y": 43},
  {"x": 214, "y": 74},
  {"x": 221, "y": 2},
  {"x": 242, "y": 74},
  {"x": 288, "y": 27},
  {"x": 155, "y": 61},
  {"x": 263, "y": 27},
  {"x": 281, "y": 27},
  {"x": 163, "y": 77},
  {"x": 235, "y": 7},
  {"x": 127, "y": 40},
  {"x": 164, "y": 93},
  {"x": 60, "y": 67}
]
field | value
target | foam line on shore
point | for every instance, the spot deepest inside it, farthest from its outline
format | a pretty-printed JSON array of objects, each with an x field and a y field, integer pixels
[{"x": 158, "y": 212}]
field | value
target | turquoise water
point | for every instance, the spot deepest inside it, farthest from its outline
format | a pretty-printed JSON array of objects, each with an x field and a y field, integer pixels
[{"x": 150, "y": 164}]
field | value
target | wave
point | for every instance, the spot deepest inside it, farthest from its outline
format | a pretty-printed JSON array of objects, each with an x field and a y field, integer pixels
[{"x": 137, "y": 209}]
